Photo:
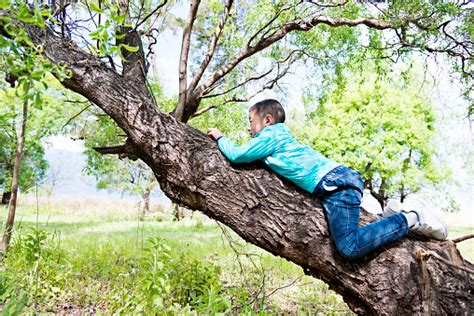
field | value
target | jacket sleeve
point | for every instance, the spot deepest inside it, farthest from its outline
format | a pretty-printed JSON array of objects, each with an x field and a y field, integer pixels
[{"x": 257, "y": 148}]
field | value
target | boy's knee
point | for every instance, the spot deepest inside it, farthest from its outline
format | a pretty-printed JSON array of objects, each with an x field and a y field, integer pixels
[{"x": 349, "y": 253}]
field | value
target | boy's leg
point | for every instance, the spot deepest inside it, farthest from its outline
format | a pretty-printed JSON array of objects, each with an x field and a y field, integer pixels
[
  {"x": 342, "y": 207},
  {"x": 343, "y": 210}
]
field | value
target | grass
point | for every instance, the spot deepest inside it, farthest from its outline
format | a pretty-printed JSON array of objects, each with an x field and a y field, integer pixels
[
  {"x": 92, "y": 259},
  {"x": 99, "y": 258}
]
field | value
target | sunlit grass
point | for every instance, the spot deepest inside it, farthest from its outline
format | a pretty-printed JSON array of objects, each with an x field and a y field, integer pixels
[
  {"x": 465, "y": 247},
  {"x": 102, "y": 246},
  {"x": 102, "y": 249}
]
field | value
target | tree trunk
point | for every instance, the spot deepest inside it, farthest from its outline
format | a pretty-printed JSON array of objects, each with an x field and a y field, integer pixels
[
  {"x": 16, "y": 176},
  {"x": 404, "y": 278},
  {"x": 146, "y": 201},
  {"x": 176, "y": 213},
  {"x": 6, "y": 196}
]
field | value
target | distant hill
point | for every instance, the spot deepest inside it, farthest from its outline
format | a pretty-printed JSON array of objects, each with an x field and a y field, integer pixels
[{"x": 66, "y": 162}]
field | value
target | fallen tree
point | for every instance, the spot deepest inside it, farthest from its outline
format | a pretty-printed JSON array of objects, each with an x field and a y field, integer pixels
[{"x": 413, "y": 275}]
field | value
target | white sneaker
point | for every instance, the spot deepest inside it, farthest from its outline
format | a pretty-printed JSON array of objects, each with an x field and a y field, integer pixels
[
  {"x": 430, "y": 221},
  {"x": 393, "y": 206}
]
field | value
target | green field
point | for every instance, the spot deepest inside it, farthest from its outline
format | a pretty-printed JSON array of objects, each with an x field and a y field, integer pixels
[{"x": 93, "y": 258}]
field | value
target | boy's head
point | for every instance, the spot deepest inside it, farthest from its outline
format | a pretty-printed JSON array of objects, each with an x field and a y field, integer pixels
[{"x": 264, "y": 113}]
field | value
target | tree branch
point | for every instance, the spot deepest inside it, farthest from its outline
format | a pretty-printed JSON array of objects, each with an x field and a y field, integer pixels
[
  {"x": 269, "y": 85},
  {"x": 451, "y": 48},
  {"x": 277, "y": 63},
  {"x": 135, "y": 66},
  {"x": 463, "y": 238},
  {"x": 212, "y": 48},
  {"x": 331, "y": 5},
  {"x": 128, "y": 150},
  {"x": 249, "y": 42},
  {"x": 247, "y": 80},
  {"x": 276, "y": 36},
  {"x": 183, "y": 60},
  {"x": 77, "y": 114},
  {"x": 134, "y": 63},
  {"x": 248, "y": 51},
  {"x": 150, "y": 14},
  {"x": 378, "y": 196},
  {"x": 111, "y": 150},
  {"x": 424, "y": 255}
]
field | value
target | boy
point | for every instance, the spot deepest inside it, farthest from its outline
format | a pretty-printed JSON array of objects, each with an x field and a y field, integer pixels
[{"x": 339, "y": 188}]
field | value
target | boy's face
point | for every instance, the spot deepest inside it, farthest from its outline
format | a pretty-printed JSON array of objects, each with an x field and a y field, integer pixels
[{"x": 257, "y": 124}]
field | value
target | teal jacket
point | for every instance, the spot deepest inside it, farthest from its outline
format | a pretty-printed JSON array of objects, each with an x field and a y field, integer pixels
[{"x": 275, "y": 146}]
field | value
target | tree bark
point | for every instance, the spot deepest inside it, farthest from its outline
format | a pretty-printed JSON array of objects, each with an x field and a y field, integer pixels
[
  {"x": 265, "y": 209},
  {"x": 16, "y": 176}
]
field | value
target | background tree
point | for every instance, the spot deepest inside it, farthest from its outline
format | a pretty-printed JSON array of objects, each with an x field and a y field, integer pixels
[
  {"x": 16, "y": 175},
  {"x": 127, "y": 176},
  {"x": 379, "y": 126},
  {"x": 258, "y": 205},
  {"x": 47, "y": 118},
  {"x": 20, "y": 62}
]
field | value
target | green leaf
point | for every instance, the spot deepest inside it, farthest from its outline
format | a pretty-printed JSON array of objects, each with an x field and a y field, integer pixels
[
  {"x": 37, "y": 100},
  {"x": 26, "y": 18},
  {"x": 5, "y": 4},
  {"x": 96, "y": 8},
  {"x": 118, "y": 18},
  {"x": 120, "y": 36},
  {"x": 100, "y": 34},
  {"x": 38, "y": 17},
  {"x": 132, "y": 49}
]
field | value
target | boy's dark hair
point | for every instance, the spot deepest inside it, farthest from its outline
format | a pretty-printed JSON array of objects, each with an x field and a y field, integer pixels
[{"x": 269, "y": 106}]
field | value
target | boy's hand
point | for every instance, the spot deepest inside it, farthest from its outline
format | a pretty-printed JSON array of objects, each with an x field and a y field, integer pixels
[{"x": 214, "y": 133}]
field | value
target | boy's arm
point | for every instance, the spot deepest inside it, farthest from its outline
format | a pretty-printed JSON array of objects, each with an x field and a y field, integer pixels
[{"x": 257, "y": 148}]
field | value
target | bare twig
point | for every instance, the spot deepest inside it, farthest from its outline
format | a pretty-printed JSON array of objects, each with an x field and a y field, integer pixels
[
  {"x": 463, "y": 238},
  {"x": 240, "y": 84},
  {"x": 75, "y": 116},
  {"x": 140, "y": 11},
  {"x": 424, "y": 255},
  {"x": 152, "y": 40},
  {"x": 268, "y": 85},
  {"x": 258, "y": 77},
  {"x": 278, "y": 13},
  {"x": 150, "y": 14},
  {"x": 331, "y": 5},
  {"x": 233, "y": 244},
  {"x": 285, "y": 286}
]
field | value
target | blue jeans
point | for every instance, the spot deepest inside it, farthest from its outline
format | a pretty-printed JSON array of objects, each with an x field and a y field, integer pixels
[{"x": 340, "y": 192}]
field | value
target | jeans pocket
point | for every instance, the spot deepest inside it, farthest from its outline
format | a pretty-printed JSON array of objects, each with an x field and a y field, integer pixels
[
  {"x": 328, "y": 187},
  {"x": 343, "y": 178}
]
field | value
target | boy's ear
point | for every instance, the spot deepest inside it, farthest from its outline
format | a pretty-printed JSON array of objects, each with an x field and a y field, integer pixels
[{"x": 269, "y": 120}]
